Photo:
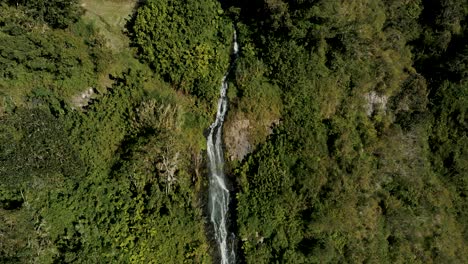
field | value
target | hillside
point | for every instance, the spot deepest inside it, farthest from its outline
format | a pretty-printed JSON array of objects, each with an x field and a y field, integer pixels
[{"x": 345, "y": 139}]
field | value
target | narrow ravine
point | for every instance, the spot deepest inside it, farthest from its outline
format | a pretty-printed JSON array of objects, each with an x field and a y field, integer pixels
[{"x": 218, "y": 192}]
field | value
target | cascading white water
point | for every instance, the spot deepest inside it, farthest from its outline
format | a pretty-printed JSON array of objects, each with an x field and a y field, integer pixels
[{"x": 218, "y": 192}]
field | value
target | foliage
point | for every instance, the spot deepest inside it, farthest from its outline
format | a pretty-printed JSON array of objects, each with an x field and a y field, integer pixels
[
  {"x": 356, "y": 115},
  {"x": 78, "y": 184},
  {"x": 186, "y": 42},
  {"x": 56, "y": 13},
  {"x": 334, "y": 183},
  {"x": 49, "y": 60},
  {"x": 139, "y": 193},
  {"x": 34, "y": 145}
]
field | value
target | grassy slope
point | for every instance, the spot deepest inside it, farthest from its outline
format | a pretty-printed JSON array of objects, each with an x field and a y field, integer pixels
[{"x": 110, "y": 18}]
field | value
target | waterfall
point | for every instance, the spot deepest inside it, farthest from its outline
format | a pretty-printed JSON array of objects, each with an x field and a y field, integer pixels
[{"x": 218, "y": 191}]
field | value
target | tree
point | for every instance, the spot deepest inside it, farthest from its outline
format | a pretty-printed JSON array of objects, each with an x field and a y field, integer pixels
[
  {"x": 56, "y": 13},
  {"x": 186, "y": 42},
  {"x": 34, "y": 144}
]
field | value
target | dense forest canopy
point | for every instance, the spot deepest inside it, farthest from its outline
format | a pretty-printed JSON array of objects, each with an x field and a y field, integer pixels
[{"x": 346, "y": 136}]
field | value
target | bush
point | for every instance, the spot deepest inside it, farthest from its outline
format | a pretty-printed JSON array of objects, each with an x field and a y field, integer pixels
[{"x": 186, "y": 42}]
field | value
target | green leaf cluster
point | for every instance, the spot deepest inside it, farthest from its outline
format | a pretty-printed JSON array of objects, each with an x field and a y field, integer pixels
[
  {"x": 353, "y": 114},
  {"x": 56, "y": 13},
  {"x": 186, "y": 42},
  {"x": 342, "y": 178}
]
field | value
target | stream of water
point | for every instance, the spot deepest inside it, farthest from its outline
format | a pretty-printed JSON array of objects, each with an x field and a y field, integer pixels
[{"x": 218, "y": 191}]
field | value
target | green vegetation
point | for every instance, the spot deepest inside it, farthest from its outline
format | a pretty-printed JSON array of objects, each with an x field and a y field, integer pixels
[
  {"x": 36, "y": 58},
  {"x": 353, "y": 114},
  {"x": 56, "y": 13},
  {"x": 107, "y": 179},
  {"x": 332, "y": 184},
  {"x": 186, "y": 42}
]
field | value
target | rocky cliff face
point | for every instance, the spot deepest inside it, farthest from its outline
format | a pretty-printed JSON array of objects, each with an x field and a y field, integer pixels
[
  {"x": 243, "y": 134},
  {"x": 237, "y": 139}
]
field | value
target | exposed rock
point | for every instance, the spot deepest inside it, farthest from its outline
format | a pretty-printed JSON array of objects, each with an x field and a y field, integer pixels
[
  {"x": 243, "y": 134},
  {"x": 375, "y": 101},
  {"x": 237, "y": 139},
  {"x": 83, "y": 99}
]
